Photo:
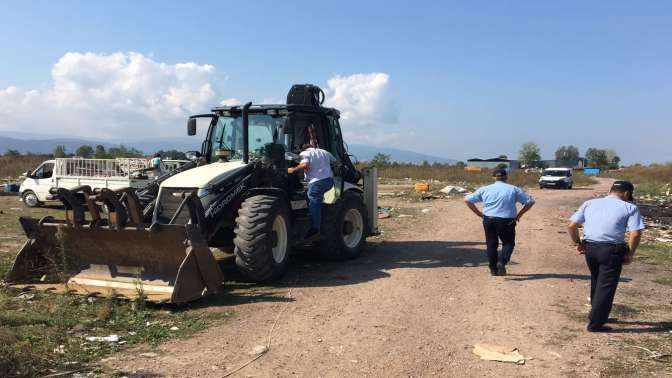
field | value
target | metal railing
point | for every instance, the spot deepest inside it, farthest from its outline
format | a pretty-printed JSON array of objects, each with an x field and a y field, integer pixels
[{"x": 119, "y": 167}]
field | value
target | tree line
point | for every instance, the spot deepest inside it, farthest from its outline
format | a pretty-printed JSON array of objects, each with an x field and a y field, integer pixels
[
  {"x": 100, "y": 152},
  {"x": 529, "y": 155}
]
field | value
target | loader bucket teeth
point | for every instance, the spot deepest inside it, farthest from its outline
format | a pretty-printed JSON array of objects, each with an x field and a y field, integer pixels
[{"x": 172, "y": 263}]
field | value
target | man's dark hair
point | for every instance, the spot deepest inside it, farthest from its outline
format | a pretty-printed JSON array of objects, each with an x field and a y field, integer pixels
[
  {"x": 499, "y": 173},
  {"x": 157, "y": 155},
  {"x": 305, "y": 146},
  {"x": 622, "y": 186}
]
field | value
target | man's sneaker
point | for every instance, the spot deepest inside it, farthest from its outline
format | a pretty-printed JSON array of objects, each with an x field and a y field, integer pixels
[
  {"x": 312, "y": 235},
  {"x": 501, "y": 269},
  {"x": 598, "y": 328}
]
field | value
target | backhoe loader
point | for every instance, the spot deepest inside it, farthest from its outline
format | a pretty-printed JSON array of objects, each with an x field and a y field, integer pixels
[{"x": 235, "y": 195}]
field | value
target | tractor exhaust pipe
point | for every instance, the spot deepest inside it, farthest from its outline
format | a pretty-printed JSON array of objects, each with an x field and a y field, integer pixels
[{"x": 246, "y": 133}]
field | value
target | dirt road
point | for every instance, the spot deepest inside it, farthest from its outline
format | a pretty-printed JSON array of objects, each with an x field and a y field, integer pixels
[{"x": 417, "y": 302}]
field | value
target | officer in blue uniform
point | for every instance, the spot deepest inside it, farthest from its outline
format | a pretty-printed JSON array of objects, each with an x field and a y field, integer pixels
[
  {"x": 605, "y": 221},
  {"x": 500, "y": 216}
]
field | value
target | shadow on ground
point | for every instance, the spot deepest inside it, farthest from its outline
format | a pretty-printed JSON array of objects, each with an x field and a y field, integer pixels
[
  {"x": 636, "y": 326},
  {"x": 556, "y": 276},
  {"x": 376, "y": 262}
]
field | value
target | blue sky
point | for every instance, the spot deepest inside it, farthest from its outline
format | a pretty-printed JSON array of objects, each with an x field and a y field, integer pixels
[{"x": 461, "y": 79}]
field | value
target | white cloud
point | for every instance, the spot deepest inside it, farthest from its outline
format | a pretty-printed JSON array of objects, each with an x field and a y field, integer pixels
[
  {"x": 366, "y": 107},
  {"x": 116, "y": 95},
  {"x": 131, "y": 95},
  {"x": 231, "y": 102}
]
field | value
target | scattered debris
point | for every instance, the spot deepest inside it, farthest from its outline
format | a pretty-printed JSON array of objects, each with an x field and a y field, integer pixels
[
  {"x": 60, "y": 349},
  {"x": 554, "y": 354},
  {"x": 405, "y": 216},
  {"x": 259, "y": 349},
  {"x": 383, "y": 214},
  {"x": 26, "y": 296},
  {"x": 490, "y": 352},
  {"x": 421, "y": 187},
  {"x": 654, "y": 355},
  {"x": 109, "y": 339},
  {"x": 425, "y": 211},
  {"x": 426, "y": 196},
  {"x": 452, "y": 189},
  {"x": 173, "y": 328},
  {"x": 149, "y": 355}
]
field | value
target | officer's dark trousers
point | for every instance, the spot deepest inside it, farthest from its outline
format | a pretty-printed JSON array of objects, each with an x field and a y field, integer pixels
[
  {"x": 497, "y": 229},
  {"x": 605, "y": 262}
]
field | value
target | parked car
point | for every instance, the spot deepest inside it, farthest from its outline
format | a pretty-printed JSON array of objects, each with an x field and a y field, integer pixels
[{"x": 556, "y": 178}]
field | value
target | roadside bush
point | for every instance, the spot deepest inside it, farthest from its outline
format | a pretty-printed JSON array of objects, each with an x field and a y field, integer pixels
[
  {"x": 14, "y": 166},
  {"x": 653, "y": 180},
  {"x": 454, "y": 174}
]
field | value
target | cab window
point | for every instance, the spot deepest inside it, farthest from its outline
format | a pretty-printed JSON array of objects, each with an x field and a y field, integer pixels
[{"x": 46, "y": 170}]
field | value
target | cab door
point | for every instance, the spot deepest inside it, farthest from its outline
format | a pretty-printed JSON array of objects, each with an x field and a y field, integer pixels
[
  {"x": 43, "y": 178},
  {"x": 333, "y": 143}
]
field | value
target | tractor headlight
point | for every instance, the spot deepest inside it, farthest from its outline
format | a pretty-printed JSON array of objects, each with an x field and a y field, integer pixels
[{"x": 203, "y": 192}]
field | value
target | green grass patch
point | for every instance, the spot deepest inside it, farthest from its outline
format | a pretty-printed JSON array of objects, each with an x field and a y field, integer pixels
[
  {"x": 623, "y": 311},
  {"x": 667, "y": 280},
  {"x": 43, "y": 333},
  {"x": 655, "y": 254}
]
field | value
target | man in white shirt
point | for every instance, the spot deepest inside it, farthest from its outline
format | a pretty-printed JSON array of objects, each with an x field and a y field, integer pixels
[{"x": 316, "y": 166}]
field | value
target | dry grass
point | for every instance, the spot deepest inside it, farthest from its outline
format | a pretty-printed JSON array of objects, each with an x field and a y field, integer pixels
[
  {"x": 452, "y": 174},
  {"x": 654, "y": 180},
  {"x": 13, "y": 166}
]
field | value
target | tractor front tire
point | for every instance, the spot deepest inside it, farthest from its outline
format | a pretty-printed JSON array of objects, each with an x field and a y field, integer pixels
[
  {"x": 262, "y": 233},
  {"x": 344, "y": 228}
]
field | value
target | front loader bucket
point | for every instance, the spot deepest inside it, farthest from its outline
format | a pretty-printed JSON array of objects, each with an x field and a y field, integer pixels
[{"x": 163, "y": 263}]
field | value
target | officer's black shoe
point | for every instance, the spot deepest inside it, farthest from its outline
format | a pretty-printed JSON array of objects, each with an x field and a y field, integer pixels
[
  {"x": 597, "y": 328},
  {"x": 493, "y": 272},
  {"x": 312, "y": 235},
  {"x": 501, "y": 269}
]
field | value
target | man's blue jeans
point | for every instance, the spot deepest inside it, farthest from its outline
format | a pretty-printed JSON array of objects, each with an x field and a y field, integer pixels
[{"x": 316, "y": 192}]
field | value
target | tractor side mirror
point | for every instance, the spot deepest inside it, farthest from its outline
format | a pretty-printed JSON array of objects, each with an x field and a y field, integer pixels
[
  {"x": 191, "y": 126},
  {"x": 290, "y": 156},
  {"x": 192, "y": 155}
]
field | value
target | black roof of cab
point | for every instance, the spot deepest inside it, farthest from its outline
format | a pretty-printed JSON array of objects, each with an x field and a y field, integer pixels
[{"x": 279, "y": 109}]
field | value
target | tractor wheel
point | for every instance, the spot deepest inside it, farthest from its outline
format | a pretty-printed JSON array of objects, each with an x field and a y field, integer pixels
[
  {"x": 344, "y": 228},
  {"x": 262, "y": 242},
  {"x": 30, "y": 199}
]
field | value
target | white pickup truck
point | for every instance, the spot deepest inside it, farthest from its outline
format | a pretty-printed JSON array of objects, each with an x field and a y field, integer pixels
[{"x": 96, "y": 173}]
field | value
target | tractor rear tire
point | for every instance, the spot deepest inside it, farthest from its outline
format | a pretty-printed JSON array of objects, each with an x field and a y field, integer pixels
[
  {"x": 344, "y": 228},
  {"x": 262, "y": 244}
]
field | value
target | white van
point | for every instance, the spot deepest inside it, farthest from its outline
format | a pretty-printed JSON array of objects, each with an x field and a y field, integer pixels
[
  {"x": 556, "y": 178},
  {"x": 96, "y": 173}
]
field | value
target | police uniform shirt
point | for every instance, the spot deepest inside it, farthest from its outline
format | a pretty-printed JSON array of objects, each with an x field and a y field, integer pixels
[
  {"x": 605, "y": 220},
  {"x": 499, "y": 199}
]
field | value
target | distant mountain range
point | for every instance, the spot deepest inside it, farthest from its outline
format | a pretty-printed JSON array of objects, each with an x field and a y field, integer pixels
[{"x": 24, "y": 142}]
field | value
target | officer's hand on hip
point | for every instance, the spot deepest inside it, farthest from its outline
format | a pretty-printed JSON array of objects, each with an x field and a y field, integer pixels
[
  {"x": 581, "y": 249},
  {"x": 627, "y": 258}
]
